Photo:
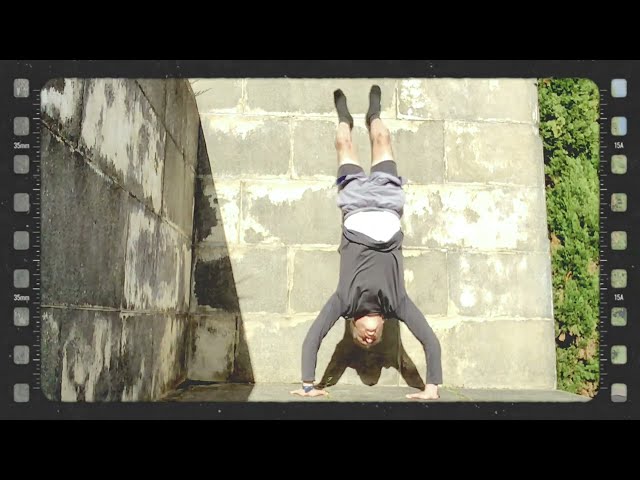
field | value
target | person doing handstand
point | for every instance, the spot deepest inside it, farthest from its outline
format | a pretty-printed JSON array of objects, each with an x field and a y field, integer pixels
[{"x": 371, "y": 284}]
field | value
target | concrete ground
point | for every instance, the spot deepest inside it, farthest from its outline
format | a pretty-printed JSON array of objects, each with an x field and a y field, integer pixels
[{"x": 357, "y": 393}]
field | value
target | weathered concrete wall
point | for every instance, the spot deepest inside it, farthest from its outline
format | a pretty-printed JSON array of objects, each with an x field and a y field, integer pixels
[
  {"x": 118, "y": 171},
  {"x": 477, "y": 255},
  {"x": 218, "y": 350}
]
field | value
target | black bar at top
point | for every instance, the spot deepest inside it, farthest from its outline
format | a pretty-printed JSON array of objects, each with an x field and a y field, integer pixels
[{"x": 324, "y": 68}]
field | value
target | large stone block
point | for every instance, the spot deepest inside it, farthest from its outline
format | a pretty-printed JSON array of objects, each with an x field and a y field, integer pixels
[
  {"x": 178, "y": 189},
  {"x": 170, "y": 347},
  {"x": 315, "y": 96},
  {"x": 191, "y": 135},
  {"x": 242, "y": 367},
  {"x": 494, "y": 153},
  {"x": 203, "y": 163},
  {"x": 90, "y": 348},
  {"x": 492, "y": 354},
  {"x": 140, "y": 280},
  {"x": 176, "y": 111},
  {"x": 61, "y": 106},
  {"x": 314, "y": 151},
  {"x": 136, "y": 366},
  {"x": 51, "y": 354},
  {"x": 218, "y": 95},
  {"x": 501, "y": 100},
  {"x": 174, "y": 266},
  {"x": 205, "y": 210},
  {"x": 476, "y": 217},
  {"x": 211, "y": 356},
  {"x": 418, "y": 149},
  {"x": 254, "y": 277},
  {"x": 84, "y": 231},
  {"x": 290, "y": 212},
  {"x": 261, "y": 279},
  {"x": 247, "y": 146},
  {"x": 217, "y": 211},
  {"x": 124, "y": 136},
  {"x": 315, "y": 279},
  {"x": 426, "y": 280},
  {"x": 158, "y": 264},
  {"x": 156, "y": 92},
  {"x": 274, "y": 345},
  {"x": 214, "y": 284},
  {"x": 497, "y": 284}
]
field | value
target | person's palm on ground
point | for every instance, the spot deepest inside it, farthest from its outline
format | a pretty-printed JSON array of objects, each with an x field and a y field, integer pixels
[{"x": 313, "y": 393}]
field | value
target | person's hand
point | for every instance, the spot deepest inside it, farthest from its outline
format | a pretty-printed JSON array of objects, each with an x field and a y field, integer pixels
[
  {"x": 430, "y": 393},
  {"x": 313, "y": 393}
]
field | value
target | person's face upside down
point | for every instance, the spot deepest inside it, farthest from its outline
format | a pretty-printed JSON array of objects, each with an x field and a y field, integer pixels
[{"x": 367, "y": 330}]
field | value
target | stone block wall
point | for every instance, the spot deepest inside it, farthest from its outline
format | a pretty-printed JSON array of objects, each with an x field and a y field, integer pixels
[
  {"x": 476, "y": 252},
  {"x": 118, "y": 179}
]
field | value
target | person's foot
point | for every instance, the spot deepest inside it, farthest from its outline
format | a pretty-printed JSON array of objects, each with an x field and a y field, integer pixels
[
  {"x": 374, "y": 105},
  {"x": 430, "y": 393},
  {"x": 341, "y": 106}
]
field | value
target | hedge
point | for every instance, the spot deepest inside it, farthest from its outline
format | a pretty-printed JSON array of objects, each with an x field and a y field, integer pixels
[{"x": 570, "y": 132}]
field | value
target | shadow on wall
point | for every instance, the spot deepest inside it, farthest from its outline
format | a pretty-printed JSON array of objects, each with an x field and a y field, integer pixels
[
  {"x": 218, "y": 350},
  {"x": 368, "y": 363}
]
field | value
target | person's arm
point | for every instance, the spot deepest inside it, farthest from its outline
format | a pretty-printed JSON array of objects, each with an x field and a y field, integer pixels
[
  {"x": 326, "y": 319},
  {"x": 417, "y": 323}
]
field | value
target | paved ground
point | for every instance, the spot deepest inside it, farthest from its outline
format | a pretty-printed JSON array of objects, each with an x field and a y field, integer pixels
[{"x": 358, "y": 393}]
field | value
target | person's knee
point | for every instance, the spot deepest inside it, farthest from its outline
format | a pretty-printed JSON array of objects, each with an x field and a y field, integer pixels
[
  {"x": 343, "y": 141},
  {"x": 381, "y": 137}
]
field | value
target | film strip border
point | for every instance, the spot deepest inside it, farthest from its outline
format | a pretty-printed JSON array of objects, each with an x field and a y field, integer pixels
[
  {"x": 619, "y": 222},
  {"x": 619, "y": 324},
  {"x": 25, "y": 197}
]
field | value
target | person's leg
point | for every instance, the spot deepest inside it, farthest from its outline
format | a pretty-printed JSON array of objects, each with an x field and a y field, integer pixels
[
  {"x": 344, "y": 145},
  {"x": 349, "y": 168},
  {"x": 382, "y": 159},
  {"x": 381, "y": 151},
  {"x": 347, "y": 154}
]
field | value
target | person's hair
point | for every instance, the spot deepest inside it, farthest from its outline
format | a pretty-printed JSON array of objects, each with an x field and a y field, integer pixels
[{"x": 356, "y": 334}]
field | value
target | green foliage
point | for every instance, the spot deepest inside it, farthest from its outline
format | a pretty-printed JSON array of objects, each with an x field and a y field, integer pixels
[{"x": 570, "y": 133}]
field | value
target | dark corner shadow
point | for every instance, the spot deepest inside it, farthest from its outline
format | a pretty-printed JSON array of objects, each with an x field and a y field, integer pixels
[
  {"x": 214, "y": 286},
  {"x": 368, "y": 364}
]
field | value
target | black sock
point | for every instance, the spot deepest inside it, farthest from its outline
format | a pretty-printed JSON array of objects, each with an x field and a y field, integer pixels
[
  {"x": 374, "y": 104},
  {"x": 341, "y": 106}
]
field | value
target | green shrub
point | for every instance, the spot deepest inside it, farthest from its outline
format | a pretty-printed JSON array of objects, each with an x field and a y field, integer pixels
[{"x": 570, "y": 133}]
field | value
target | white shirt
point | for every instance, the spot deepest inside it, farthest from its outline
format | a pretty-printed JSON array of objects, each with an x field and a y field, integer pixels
[{"x": 379, "y": 225}]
